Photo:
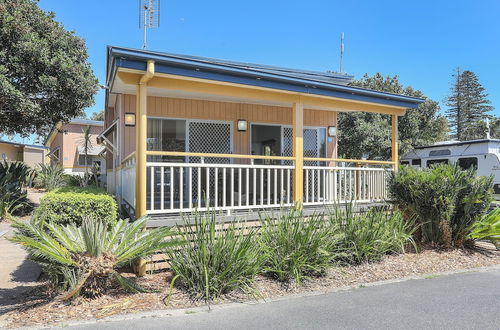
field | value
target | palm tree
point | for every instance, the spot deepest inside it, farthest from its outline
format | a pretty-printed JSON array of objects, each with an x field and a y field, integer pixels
[
  {"x": 84, "y": 260},
  {"x": 87, "y": 145}
]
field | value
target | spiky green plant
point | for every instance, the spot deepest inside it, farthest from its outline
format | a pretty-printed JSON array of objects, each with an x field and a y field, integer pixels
[
  {"x": 367, "y": 237},
  {"x": 13, "y": 179},
  {"x": 50, "y": 177},
  {"x": 213, "y": 261},
  {"x": 295, "y": 247},
  {"x": 488, "y": 228},
  {"x": 84, "y": 260}
]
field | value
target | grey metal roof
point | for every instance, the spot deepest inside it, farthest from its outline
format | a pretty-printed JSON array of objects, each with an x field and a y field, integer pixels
[{"x": 24, "y": 144}]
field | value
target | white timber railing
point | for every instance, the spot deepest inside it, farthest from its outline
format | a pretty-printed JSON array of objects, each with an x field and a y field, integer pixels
[
  {"x": 330, "y": 184},
  {"x": 174, "y": 187},
  {"x": 128, "y": 173}
]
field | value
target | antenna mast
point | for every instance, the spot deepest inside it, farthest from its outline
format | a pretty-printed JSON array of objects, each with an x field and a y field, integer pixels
[
  {"x": 341, "y": 50},
  {"x": 149, "y": 16}
]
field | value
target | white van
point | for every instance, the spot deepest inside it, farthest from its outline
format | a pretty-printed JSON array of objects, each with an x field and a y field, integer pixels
[{"x": 484, "y": 155}]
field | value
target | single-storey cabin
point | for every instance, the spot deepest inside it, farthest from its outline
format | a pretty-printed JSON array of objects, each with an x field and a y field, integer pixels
[
  {"x": 185, "y": 133},
  {"x": 31, "y": 154}
]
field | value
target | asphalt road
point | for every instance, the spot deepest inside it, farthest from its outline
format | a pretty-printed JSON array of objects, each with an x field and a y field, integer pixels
[{"x": 459, "y": 301}]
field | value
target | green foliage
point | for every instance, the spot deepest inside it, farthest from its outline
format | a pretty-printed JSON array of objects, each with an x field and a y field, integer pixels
[
  {"x": 369, "y": 134},
  {"x": 369, "y": 237},
  {"x": 50, "y": 177},
  {"x": 488, "y": 228},
  {"x": 295, "y": 247},
  {"x": 444, "y": 201},
  {"x": 98, "y": 115},
  {"x": 13, "y": 178},
  {"x": 468, "y": 106},
  {"x": 44, "y": 73},
  {"x": 84, "y": 259},
  {"x": 70, "y": 205},
  {"x": 213, "y": 262}
]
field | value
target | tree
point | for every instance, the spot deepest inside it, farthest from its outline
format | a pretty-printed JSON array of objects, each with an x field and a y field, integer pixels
[
  {"x": 364, "y": 134},
  {"x": 98, "y": 115},
  {"x": 468, "y": 106},
  {"x": 44, "y": 73},
  {"x": 87, "y": 146}
]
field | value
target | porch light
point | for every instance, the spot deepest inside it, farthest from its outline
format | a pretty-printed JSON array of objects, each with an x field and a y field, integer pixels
[
  {"x": 129, "y": 119},
  {"x": 332, "y": 131},
  {"x": 242, "y": 125}
]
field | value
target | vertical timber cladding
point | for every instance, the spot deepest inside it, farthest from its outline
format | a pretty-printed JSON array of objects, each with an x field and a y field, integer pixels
[{"x": 227, "y": 111}]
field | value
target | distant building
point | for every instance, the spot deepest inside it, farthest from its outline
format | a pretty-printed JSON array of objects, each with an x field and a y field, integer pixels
[
  {"x": 66, "y": 146},
  {"x": 31, "y": 154}
]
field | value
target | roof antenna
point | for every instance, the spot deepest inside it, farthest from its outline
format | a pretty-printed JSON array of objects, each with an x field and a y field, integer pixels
[
  {"x": 149, "y": 16},
  {"x": 488, "y": 135},
  {"x": 341, "y": 50}
]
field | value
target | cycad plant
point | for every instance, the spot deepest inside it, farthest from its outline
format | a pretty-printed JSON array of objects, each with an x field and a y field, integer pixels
[
  {"x": 50, "y": 177},
  {"x": 84, "y": 260},
  {"x": 488, "y": 228},
  {"x": 13, "y": 179}
]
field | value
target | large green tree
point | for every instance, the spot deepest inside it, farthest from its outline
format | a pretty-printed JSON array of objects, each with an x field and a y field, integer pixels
[
  {"x": 44, "y": 73},
  {"x": 364, "y": 134},
  {"x": 468, "y": 106}
]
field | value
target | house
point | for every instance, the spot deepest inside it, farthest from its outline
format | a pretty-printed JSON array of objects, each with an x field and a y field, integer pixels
[
  {"x": 185, "y": 133},
  {"x": 65, "y": 143},
  {"x": 31, "y": 154}
]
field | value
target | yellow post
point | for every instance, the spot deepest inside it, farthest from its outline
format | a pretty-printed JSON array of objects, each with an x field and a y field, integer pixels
[
  {"x": 298, "y": 152},
  {"x": 141, "y": 136},
  {"x": 395, "y": 142}
]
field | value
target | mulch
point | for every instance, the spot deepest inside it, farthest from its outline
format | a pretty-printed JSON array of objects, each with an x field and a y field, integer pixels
[{"x": 41, "y": 305}]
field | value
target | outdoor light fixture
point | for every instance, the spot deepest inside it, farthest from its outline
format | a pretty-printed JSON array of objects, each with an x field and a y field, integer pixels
[
  {"x": 332, "y": 131},
  {"x": 242, "y": 125},
  {"x": 129, "y": 119}
]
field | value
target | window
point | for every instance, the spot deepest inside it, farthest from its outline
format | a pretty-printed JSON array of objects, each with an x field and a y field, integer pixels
[
  {"x": 166, "y": 135},
  {"x": 405, "y": 162},
  {"x": 416, "y": 162},
  {"x": 466, "y": 163},
  {"x": 442, "y": 152},
  {"x": 436, "y": 161},
  {"x": 85, "y": 161}
]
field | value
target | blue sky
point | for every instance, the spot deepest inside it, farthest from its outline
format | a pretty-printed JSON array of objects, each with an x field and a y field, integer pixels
[{"x": 421, "y": 41}]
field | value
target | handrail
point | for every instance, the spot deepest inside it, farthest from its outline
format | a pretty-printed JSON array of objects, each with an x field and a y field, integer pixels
[
  {"x": 359, "y": 161},
  {"x": 203, "y": 154},
  {"x": 130, "y": 156}
]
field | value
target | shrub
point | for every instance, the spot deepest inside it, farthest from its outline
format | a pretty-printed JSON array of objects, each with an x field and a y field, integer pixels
[
  {"x": 370, "y": 236},
  {"x": 295, "y": 247},
  {"x": 72, "y": 204},
  {"x": 444, "y": 201},
  {"x": 50, "y": 177},
  {"x": 13, "y": 178},
  {"x": 488, "y": 228},
  {"x": 214, "y": 262},
  {"x": 84, "y": 260}
]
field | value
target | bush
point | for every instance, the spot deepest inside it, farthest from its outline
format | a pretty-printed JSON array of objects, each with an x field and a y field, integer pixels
[
  {"x": 13, "y": 178},
  {"x": 50, "y": 177},
  {"x": 369, "y": 237},
  {"x": 213, "y": 262},
  {"x": 444, "y": 201},
  {"x": 72, "y": 204},
  {"x": 488, "y": 228},
  {"x": 84, "y": 260},
  {"x": 295, "y": 247}
]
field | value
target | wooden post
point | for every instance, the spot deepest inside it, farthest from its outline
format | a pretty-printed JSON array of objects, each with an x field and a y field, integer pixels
[
  {"x": 395, "y": 157},
  {"x": 298, "y": 152},
  {"x": 141, "y": 129}
]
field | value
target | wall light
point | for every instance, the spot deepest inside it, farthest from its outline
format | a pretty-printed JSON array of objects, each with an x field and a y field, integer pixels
[
  {"x": 332, "y": 131},
  {"x": 242, "y": 125},
  {"x": 129, "y": 119}
]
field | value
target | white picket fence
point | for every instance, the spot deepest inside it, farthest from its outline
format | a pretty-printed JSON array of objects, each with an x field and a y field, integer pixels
[{"x": 127, "y": 174}]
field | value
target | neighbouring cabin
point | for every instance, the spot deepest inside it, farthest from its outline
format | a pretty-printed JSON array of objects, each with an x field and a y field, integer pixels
[
  {"x": 32, "y": 155},
  {"x": 186, "y": 133},
  {"x": 66, "y": 147}
]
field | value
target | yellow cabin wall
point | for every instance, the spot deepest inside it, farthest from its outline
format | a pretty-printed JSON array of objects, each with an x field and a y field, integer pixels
[{"x": 212, "y": 110}]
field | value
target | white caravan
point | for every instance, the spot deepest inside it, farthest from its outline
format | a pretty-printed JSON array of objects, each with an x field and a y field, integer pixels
[{"x": 484, "y": 155}]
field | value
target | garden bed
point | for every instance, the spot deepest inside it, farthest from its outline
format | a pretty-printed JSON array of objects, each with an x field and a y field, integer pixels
[{"x": 38, "y": 306}]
